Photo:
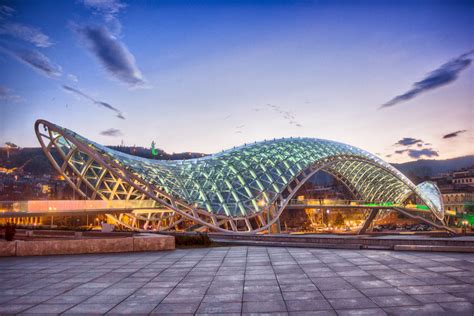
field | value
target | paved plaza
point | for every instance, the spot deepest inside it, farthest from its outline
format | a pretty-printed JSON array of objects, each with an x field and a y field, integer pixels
[{"x": 241, "y": 280}]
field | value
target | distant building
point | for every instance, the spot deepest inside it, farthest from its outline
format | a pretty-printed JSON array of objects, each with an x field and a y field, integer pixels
[
  {"x": 464, "y": 177},
  {"x": 457, "y": 189}
]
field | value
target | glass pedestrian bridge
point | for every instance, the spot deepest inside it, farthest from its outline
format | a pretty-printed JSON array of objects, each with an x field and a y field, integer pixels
[{"x": 241, "y": 190}]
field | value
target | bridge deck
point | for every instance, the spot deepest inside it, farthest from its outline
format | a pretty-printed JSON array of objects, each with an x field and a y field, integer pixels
[{"x": 71, "y": 207}]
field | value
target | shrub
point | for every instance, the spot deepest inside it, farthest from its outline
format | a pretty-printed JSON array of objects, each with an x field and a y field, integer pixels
[
  {"x": 193, "y": 240},
  {"x": 10, "y": 231}
]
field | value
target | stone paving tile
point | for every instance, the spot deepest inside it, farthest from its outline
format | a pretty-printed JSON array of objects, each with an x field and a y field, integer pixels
[
  {"x": 179, "y": 308},
  {"x": 395, "y": 300},
  {"x": 352, "y": 303},
  {"x": 458, "y": 308},
  {"x": 342, "y": 293},
  {"x": 437, "y": 298},
  {"x": 361, "y": 312},
  {"x": 310, "y": 295},
  {"x": 48, "y": 309},
  {"x": 90, "y": 309},
  {"x": 132, "y": 308},
  {"x": 8, "y": 309},
  {"x": 223, "y": 298},
  {"x": 382, "y": 291},
  {"x": 261, "y": 288},
  {"x": 30, "y": 299},
  {"x": 424, "y": 289},
  {"x": 263, "y": 297},
  {"x": 456, "y": 288},
  {"x": 263, "y": 307},
  {"x": 305, "y": 287},
  {"x": 308, "y": 305},
  {"x": 428, "y": 309},
  {"x": 66, "y": 299},
  {"x": 7, "y": 298},
  {"x": 331, "y": 283},
  {"x": 173, "y": 299},
  {"x": 219, "y": 308},
  {"x": 104, "y": 299},
  {"x": 313, "y": 313}
]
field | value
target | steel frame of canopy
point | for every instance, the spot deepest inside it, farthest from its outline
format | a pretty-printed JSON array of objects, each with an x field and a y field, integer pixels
[{"x": 95, "y": 175}]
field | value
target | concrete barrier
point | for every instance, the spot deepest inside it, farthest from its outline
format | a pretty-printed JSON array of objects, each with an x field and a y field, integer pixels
[
  {"x": 153, "y": 242},
  {"x": 7, "y": 248},
  {"x": 138, "y": 243},
  {"x": 433, "y": 248}
]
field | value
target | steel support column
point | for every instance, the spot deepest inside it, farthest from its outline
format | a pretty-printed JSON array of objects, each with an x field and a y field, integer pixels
[{"x": 368, "y": 221}]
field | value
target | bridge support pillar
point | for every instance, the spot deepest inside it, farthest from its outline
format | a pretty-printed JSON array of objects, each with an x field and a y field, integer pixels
[
  {"x": 368, "y": 221},
  {"x": 275, "y": 228}
]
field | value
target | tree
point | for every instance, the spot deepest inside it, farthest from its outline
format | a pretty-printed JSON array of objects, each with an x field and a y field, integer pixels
[{"x": 339, "y": 221}]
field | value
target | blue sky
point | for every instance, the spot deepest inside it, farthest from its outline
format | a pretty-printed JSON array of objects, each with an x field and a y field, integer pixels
[{"x": 391, "y": 77}]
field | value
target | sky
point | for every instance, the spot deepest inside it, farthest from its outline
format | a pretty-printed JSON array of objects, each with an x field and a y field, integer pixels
[{"x": 392, "y": 77}]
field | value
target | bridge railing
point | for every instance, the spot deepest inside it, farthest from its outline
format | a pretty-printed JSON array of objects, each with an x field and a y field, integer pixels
[
  {"x": 323, "y": 202},
  {"x": 358, "y": 203}
]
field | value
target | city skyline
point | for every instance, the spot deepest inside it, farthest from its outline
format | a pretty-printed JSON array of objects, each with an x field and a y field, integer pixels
[{"x": 395, "y": 80}]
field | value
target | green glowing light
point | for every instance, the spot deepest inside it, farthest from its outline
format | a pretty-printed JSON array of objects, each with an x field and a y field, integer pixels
[{"x": 154, "y": 152}]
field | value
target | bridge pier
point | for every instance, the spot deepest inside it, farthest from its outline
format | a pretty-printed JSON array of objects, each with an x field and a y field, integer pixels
[{"x": 368, "y": 221}]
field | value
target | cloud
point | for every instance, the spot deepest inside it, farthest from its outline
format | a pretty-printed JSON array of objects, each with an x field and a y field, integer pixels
[
  {"x": 78, "y": 92},
  {"x": 21, "y": 31},
  {"x": 408, "y": 141},
  {"x": 6, "y": 10},
  {"x": 109, "y": 10},
  {"x": 418, "y": 153},
  {"x": 26, "y": 33},
  {"x": 7, "y": 95},
  {"x": 105, "y": 6},
  {"x": 112, "y": 132},
  {"x": 454, "y": 134},
  {"x": 35, "y": 60},
  {"x": 72, "y": 77},
  {"x": 444, "y": 75},
  {"x": 112, "y": 54}
]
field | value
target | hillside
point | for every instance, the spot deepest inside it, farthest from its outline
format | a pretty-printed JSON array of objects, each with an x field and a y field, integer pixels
[
  {"x": 423, "y": 169},
  {"x": 33, "y": 160}
]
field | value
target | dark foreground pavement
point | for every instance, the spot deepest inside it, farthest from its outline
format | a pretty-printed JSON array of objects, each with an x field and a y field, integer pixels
[{"x": 235, "y": 280}]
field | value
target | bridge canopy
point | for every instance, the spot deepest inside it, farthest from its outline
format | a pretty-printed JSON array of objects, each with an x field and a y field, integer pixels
[{"x": 236, "y": 183}]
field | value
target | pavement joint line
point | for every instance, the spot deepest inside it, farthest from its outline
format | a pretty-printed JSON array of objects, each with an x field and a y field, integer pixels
[
  {"x": 213, "y": 278},
  {"x": 190, "y": 269},
  {"x": 319, "y": 290}
]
